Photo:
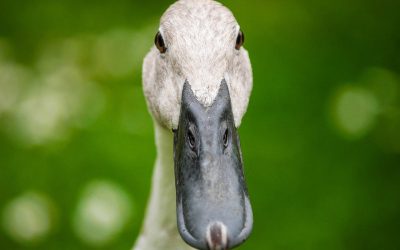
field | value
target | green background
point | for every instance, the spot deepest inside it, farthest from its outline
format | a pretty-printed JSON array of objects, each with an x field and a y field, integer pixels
[{"x": 320, "y": 139}]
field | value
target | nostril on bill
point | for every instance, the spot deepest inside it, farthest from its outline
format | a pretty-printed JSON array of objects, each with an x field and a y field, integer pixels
[{"x": 217, "y": 238}]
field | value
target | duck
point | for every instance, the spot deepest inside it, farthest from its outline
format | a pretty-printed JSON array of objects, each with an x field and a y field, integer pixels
[{"x": 197, "y": 81}]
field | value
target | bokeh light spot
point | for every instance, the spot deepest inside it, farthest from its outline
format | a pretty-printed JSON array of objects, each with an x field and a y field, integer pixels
[
  {"x": 102, "y": 212},
  {"x": 13, "y": 79},
  {"x": 28, "y": 217},
  {"x": 354, "y": 111},
  {"x": 56, "y": 104}
]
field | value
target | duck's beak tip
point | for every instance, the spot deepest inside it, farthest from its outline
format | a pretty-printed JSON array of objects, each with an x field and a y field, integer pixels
[{"x": 217, "y": 236}]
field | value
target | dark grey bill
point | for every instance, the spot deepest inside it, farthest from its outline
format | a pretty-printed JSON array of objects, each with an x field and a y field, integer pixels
[{"x": 213, "y": 208}]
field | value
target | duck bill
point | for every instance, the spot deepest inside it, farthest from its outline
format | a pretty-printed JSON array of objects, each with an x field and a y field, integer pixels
[{"x": 213, "y": 208}]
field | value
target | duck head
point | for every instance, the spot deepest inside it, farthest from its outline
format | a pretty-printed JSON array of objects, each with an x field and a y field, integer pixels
[{"x": 197, "y": 81}]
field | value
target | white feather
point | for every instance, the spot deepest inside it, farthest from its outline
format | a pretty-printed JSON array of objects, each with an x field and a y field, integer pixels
[{"x": 200, "y": 36}]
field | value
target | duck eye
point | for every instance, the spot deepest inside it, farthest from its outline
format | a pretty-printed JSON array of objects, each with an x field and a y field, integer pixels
[
  {"x": 239, "y": 40},
  {"x": 159, "y": 42}
]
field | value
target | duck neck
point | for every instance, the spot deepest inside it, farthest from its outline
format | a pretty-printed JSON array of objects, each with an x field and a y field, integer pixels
[
  {"x": 162, "y": 200},
  {"x": 159, "y": 230}
]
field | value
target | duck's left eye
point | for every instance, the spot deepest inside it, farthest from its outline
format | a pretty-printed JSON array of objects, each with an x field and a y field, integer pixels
[
  {"x": 239, "y": 40},
  {"x": 159, "y": 42}
]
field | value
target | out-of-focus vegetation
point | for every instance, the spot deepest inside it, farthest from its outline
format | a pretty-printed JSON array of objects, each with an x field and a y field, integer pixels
[{"x": 321, "y": 138}]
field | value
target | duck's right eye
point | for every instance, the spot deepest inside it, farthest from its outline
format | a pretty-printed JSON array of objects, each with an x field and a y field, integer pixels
[{"x": 159, "y": 42}]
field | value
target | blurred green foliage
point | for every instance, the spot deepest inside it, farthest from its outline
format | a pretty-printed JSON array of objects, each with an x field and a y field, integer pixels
[{"x": 321, "y": 138}]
